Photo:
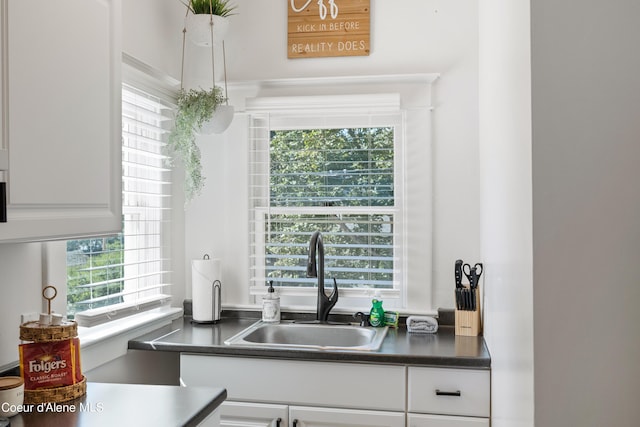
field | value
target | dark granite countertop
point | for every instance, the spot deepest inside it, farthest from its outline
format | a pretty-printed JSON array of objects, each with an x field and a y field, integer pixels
[
  {"x": 127, "y": 405},
  {"x": 443, "y": 349}
]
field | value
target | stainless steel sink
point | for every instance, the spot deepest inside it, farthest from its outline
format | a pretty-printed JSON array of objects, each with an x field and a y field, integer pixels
[{"x": 310, "y": 336}]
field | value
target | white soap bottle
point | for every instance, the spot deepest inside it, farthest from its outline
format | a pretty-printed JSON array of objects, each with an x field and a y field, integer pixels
[{"x": 271, "y": 306}]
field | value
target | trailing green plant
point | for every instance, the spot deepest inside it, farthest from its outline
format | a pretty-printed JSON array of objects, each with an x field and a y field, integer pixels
[
  {"x": 213, "y": 7},
  {"x": 195, "y": 107}
]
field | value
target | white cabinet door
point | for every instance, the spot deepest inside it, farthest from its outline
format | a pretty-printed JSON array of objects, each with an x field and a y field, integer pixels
[
  {"x": 422, "y": 420},
  {"x": 62, "y": 112},
  {"x": 213, "y": 420},
  {"x": 4, "y": 154},
  {"x": 325, "y": 417},
  {"x": 245, "y": 414}
]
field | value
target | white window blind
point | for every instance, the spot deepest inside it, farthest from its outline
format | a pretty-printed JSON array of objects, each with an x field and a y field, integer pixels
[
  {"x": 116, "y": 276},
  {"x": 339, "y": 174}
]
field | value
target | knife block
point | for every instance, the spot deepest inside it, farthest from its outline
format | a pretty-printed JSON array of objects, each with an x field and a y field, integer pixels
[{"x": 469, "y": 323}]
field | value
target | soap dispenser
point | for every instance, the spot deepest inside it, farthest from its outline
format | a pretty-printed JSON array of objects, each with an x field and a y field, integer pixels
[
  {"x": 271, "y": 306},
  {"x": 376, "y": 315}
]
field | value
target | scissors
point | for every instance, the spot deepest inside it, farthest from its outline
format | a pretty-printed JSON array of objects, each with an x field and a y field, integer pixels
[{"x": 473, "y": 273}]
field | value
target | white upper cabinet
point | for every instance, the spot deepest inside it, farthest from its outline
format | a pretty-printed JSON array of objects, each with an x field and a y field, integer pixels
[{"x": 61, "y": 110}]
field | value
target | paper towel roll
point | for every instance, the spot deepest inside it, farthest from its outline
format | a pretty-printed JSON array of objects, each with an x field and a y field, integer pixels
[{"x": 204, "y": 273}]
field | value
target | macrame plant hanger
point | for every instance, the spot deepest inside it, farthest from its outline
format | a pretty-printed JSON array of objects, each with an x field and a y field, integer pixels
[
  {"x": 213, "y": 62},
  {"x": 225, "y": 121}
]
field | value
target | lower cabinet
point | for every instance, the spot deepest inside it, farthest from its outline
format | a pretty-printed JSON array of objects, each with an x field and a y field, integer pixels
[
  {"x": 244, "y": 414},
  {"x": 213, "y": 420},
  {"x": 325, "y": 417},
  {"x": 293, "y": 393},
  {"x": 424, "y": 420},
  {"x": 448, "y": 391},
  {"x": 459, "y": 397}
]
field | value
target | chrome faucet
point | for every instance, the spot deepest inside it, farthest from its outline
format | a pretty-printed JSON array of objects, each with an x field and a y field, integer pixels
[{"x": 316, "y": 269}]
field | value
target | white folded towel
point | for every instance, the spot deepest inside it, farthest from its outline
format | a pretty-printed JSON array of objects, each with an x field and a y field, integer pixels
[{"x": 422, "y": 325}]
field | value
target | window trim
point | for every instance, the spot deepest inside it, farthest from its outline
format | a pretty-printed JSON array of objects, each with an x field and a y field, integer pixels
[
  {"x": 310, "y": 111},
  {"x": 143, "y": 212},
  {"x": 329, "y": 104},
  {"x": 103, "y": 343},
  {"x": 156, "y": 83}
]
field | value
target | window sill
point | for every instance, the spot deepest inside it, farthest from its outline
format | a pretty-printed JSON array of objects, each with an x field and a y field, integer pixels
[{"x": 103, "y": 343}]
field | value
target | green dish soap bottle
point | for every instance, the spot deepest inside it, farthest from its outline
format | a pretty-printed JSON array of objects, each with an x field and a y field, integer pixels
[{"x": 376, "y": 315}]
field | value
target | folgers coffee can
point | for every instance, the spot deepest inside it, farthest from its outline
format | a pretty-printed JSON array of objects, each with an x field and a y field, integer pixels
[
  {"x": 50, "y": 364},
  {"x": 11, "y": 395}
]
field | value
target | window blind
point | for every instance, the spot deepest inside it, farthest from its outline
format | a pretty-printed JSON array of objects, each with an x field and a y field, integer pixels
[
  {"x": 116, "y": 276},
  {"x": 337, "y": 175}
]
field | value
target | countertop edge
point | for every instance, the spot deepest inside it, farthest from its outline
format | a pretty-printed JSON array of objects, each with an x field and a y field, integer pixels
[
  {"x": 476, "y": 358},
  {"x": 108, "y": 404},
  {"x": 208, "y": 409},
  {"x": 327, "y": 356}
]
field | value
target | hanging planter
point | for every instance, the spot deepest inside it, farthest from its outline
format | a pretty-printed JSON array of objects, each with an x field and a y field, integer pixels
[
  {"x": 199, "y": 32},
  {"x": 195, "y": 108},
  {"x": 203, "y": 16},
  {"x": 219, "y": 122},
  {"x": 223, "y": 114},
  {"x": 200, "y": 111}
]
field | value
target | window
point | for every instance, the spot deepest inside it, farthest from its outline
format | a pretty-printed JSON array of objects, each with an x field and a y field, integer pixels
[
  {"x": 114, "y": 276},
  {"x": 320, "y": 179},
  {"x": 341, "y": 175}
]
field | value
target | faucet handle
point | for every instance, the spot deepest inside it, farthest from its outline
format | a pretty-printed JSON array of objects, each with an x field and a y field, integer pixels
[{"x": 334, "y": 293}]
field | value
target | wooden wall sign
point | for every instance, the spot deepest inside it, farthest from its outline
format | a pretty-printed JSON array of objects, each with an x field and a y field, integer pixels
[{"x": 322, "y": 28}]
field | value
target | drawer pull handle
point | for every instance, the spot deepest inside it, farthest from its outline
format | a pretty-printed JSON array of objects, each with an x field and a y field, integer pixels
[
  {"x": 278, "y": 421},
  {"x": 448, "y": 393},
  {"x": 3, "y": 202}
]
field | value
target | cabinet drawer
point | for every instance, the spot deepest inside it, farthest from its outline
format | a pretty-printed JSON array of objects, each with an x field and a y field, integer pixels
[
  {"x": 449, "y": 391},
  {"x": 325, "y": 417},
  {"x": 421, "y": 420},
  {"x": 329, "y": 384}
]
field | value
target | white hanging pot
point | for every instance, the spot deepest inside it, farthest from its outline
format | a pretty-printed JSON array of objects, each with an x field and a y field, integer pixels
[
  {"x": 199, "y": 28},
  {"x": 220, "y": 120}
]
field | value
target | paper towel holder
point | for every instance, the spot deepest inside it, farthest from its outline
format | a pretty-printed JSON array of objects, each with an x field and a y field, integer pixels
[
  {"x": 216, "y": 303},
  {"x": 216, "y": 300},
  {"x": 216, "y": 297}
]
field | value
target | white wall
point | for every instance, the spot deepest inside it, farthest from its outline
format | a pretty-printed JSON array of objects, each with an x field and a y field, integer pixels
[
  {"x": 586, "y": 212},
  {"x": 152, "y": 33},
  {"x": 416, "y": 36},
  {"x": 505, "y": 214},
  {"x": 20, "y": 292}
]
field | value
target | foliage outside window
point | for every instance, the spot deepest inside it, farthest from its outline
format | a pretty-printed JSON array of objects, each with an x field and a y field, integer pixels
[
  {"x": 340, "y": 181},
  {"x": 94, "y": 261}
]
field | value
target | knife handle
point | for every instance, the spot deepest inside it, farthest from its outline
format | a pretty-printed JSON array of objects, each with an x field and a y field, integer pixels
[{"x": 458, "y": 273}]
